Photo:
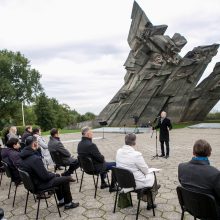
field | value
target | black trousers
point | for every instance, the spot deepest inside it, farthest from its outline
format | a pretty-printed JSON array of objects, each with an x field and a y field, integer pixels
[
  {"x": 63, "y": 188},
  {"x": 73, "y": 166},
  {"x": 167, "y": 147}
]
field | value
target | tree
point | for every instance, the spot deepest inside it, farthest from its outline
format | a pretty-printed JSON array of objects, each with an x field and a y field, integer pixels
[
  {"x": 44, "y": 112},
  {"x": 18, "y": 82}
]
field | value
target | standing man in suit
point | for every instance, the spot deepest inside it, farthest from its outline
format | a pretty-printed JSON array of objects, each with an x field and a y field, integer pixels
[
  {"x": 198, "y": 175},
  {"x": 165, "y": 125}
]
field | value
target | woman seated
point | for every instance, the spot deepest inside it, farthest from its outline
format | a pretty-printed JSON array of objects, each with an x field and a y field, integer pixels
[
  {"x": 128, "y": 158},
  {"x": 47, "y": 160}
]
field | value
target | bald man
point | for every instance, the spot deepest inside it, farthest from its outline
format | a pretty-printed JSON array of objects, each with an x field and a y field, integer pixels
[{"x": 165, "y": 125}]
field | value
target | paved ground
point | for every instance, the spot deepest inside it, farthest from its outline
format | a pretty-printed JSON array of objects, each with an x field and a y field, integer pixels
[{"x": 101, "y": 207}]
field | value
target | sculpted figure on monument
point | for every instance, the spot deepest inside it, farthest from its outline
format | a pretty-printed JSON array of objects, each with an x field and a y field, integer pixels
[{"x": 158, "y": 78}]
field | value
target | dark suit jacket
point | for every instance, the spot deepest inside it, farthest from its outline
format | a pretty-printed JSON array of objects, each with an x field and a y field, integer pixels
[
  {"x": 200, "y": 177},
  {"x": 55, "y": 145},
  {"x": 88, "y": 149},
  {"x": 164, "y": 132}
]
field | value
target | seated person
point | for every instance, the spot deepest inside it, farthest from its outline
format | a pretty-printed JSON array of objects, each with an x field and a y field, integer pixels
[
  {"x": 128, "y": 158},
  {"x": 43, "y": 179},
  {"x": 27, "y": 133},
  {"x": 12, "y": 133},
  {"x": 42, "y": 144},
  {"x": 87, "y": 148},
  {"x": 11, "y": 155},
  {"x": 55, "y": 145},
  {"x": 198, "y": 175}
]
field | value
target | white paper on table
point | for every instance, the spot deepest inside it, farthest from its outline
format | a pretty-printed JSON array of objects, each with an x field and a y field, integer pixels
[{"x": 151, "y": 170}]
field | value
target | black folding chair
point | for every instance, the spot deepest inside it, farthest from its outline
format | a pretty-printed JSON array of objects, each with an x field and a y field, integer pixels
[
  {"x": 125, "y": 179},
  {"x": 199, "y": 205},
  {"x": 9, "y": 175},
  {"x": 87, "y": 166},
  {"x": 57, "y": 159},
  {"x": 29, "y": 186},
  {"x": 2, "y": 171}
]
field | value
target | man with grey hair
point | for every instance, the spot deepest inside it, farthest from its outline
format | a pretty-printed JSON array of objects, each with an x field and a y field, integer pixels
[
  {"x": 129, "y": 158},
  {"x": 165, "y": 125},
  {"x": 87, "y": 148}
]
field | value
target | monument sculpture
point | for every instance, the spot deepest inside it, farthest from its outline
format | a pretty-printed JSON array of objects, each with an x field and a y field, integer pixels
[{"x": 158, "y": 78}]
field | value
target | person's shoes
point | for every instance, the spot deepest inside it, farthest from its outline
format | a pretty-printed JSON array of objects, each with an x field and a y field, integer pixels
[
  {"x": 104, "y": 185},
  {"x": 166, "y": 156},
  {"x": 72, "y": 205},
  {"x": 162, "y": 155},
  {"x": 149, "y": 207}
]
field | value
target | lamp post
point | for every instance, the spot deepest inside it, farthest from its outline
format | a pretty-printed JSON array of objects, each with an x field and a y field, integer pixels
[{"x": 22, "y": 110}]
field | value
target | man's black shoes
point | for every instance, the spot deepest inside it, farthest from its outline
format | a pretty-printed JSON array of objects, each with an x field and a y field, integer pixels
[
  {"x": 164, "y": 156},
  {"x": 72, "y": 205}
]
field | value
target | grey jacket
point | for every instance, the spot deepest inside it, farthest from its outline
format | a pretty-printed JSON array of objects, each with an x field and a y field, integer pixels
[
  {"x": 55, "y": 145},
  {"x": 200, "y": 177}
]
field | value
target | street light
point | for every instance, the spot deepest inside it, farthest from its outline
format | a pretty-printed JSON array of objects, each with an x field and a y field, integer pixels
[{"x": 22, "y": 110}]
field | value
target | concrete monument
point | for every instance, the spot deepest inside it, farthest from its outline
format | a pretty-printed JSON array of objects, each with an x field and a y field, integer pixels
[{"x": 158, "y": 78}]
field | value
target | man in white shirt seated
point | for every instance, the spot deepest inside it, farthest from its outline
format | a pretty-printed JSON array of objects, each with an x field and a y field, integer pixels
[{"x": 128, "y": 158}]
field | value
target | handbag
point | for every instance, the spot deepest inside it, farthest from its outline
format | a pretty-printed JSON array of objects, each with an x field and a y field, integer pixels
[{"x": 124, "y": 200}]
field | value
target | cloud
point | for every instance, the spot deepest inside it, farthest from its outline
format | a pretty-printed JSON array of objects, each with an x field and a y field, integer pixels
[
  {"x": 76, "y": 51},
  {"x": 80, "y": 47}
]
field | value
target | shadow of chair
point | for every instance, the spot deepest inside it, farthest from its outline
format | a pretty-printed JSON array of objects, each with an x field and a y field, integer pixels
[
  {"x": 199, "y": 205},
  {"x": 9, "y": 175},
  {"x": 57, "y": 159},
  {"x": 29, "y": 186},
  {"x": 125, "y": 179},
  {"x": 87, "y": 166}
]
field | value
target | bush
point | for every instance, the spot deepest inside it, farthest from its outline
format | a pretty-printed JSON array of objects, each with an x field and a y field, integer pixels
[{"x": 213, "y": 116}]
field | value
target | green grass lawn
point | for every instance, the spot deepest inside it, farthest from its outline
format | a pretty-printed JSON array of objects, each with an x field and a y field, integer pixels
[
  {"x": 186, "y": 124},
  {"x": 62, "y": 131}
]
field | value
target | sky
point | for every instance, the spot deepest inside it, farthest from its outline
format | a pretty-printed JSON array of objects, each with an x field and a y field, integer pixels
[{"x": 79, "y": 46}]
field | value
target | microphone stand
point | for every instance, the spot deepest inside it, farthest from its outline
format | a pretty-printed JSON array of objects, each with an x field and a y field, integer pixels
[{"x": 156, "y": 155}]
